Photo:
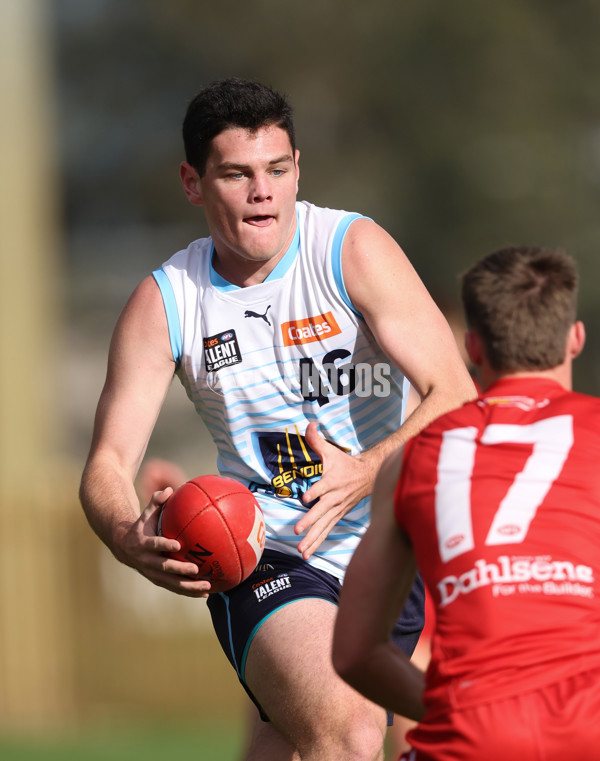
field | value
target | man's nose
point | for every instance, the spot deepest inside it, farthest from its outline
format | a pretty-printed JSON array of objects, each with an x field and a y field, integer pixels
[{"x": 260, "y": 189}]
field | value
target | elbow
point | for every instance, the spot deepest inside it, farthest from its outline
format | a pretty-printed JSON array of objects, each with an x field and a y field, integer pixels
[
  {"x": 83, "y": 489},
  {"x": 467, "y": 390},
  {"x": 340, "y": 664},
  {"x": 348, "y": 672},
  {"x": 348, "y": 662}
]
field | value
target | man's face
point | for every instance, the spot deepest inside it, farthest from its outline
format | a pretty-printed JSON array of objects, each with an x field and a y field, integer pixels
[{"x": 248, "y": 193}]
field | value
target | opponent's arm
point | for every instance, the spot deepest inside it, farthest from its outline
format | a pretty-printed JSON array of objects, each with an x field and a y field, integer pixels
[
  {"x": 376, "y": 586},
  {"x": 412, "y": 331},
  {"x": 140, "y": 370}
]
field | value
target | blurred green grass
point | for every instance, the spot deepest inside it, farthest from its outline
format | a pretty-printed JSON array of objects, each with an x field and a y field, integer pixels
[{"x": 212, "y": 741}]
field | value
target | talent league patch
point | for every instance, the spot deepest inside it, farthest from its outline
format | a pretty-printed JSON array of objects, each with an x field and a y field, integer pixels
[
  {"x": 271, "y": 586},
  {"x": 221, "y": 350}
]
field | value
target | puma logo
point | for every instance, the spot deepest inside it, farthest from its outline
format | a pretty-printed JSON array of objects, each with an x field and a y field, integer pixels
[{"x": 250, "y": 313}]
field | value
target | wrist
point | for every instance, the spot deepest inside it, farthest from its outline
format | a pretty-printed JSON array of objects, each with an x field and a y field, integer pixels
[
  {"x": 370, "y": 461},
  {"x": 118, "y": 541}
]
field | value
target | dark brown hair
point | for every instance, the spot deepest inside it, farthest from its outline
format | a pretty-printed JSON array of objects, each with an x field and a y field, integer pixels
[
  {"x": 522, "y": 302},
  {"x": 232, "y": 103}
]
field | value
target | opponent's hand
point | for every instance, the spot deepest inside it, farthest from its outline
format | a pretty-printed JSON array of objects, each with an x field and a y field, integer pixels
[
  {"x": 156, "y": 474},
  {"x": 346, "y": 479},
  {"x": 140, "y": 547}
]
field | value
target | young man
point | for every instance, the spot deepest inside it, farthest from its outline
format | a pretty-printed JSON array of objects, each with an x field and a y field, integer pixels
[
  {"x": 498, "y": 504},
  {"x": 295, "y": 331}
]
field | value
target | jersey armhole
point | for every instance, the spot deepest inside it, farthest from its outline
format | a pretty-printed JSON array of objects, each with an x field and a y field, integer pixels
[
  {"x": 168, "y": 297},
  {"x": 405, "y": 393},
  {"x": 336, "y": 258}
]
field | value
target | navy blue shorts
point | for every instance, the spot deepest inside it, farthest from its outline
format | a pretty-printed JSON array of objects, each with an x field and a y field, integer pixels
[{"x": 278, "y": 580}]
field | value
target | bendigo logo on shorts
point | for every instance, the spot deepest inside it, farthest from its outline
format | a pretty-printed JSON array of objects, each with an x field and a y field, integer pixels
[
  {"x": 221, "y": 350},
  {"x": 309, "y": 329}
]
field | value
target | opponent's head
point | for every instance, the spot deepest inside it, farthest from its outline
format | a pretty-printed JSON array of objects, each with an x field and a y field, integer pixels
[
  {"x": 522, "y": 303},
  {"x": 232, "y": 103}
]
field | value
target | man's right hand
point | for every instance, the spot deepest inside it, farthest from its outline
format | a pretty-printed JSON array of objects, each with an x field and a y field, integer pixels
[{"x": 138, "y": 545}]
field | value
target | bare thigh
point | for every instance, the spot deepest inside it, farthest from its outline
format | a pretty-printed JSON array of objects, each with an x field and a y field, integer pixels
[{"x": 289, "y": 671}]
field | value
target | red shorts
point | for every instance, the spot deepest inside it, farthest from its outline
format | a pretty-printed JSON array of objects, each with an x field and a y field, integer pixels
[{"x": 560, "y": 721}]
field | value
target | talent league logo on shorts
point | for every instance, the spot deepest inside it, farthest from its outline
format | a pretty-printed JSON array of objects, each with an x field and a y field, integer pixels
[
  {"x": 221, "y": 350},
  {"x": 309, "y": 329},
  {"x": 271, "y": 586}
]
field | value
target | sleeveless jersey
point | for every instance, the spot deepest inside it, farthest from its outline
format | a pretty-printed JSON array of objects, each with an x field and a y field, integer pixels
[
  {"x": 501, "y": 501},
  {"x": 262, "y": 362}
]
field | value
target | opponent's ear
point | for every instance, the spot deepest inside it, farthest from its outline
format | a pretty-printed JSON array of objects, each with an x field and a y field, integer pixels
[
  {"x": 575, "y": 339},
  {"x": 191, "y": 183},
  {"x": 474, "y": 347}
]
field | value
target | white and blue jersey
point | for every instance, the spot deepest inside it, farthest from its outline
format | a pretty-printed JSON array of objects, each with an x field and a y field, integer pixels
[{"x": 262, "y": 362}]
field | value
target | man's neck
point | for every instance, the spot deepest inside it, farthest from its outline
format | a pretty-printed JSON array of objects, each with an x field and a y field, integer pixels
[{"x": 561, "y": 374}]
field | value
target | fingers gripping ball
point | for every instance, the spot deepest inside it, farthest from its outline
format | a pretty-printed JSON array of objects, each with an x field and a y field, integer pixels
[{"x": 220, "y": 527}]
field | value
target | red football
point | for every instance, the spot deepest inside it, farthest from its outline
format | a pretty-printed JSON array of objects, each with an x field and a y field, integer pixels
[{"x": 220, "y": 527}]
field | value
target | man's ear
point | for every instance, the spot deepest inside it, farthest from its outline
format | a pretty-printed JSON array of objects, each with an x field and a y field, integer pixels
[
  {"x": 191, "y": 183},
  {"x": 575, "y": 339},
  {"x": 296, "y": 160},
  {"x": 474, "y": 347}
]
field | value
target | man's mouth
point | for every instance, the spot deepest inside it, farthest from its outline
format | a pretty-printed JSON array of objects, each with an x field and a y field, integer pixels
[{"x": 260, "y": 220}]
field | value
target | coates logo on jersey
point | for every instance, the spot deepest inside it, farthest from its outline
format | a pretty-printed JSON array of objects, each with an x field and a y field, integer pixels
[
  {"x": 309, "y": 329},
  {"x": 221, "y": 350}
]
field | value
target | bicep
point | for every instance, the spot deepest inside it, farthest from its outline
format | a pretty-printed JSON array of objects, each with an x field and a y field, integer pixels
[
  {"x": 406, "y": 322},
  {"x": 140, "y": 370}
]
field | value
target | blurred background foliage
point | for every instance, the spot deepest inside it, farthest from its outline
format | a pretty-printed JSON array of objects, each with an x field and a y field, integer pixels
[{"x": 460, "y": 127}]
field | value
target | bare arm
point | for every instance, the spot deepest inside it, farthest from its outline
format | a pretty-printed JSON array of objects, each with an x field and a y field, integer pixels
[
  {"x": 140, "y": 370},
  {"x": 407, "y": 324},
  {"x": 376, "y": 587},
  {"x": 415, "y": 335}
]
